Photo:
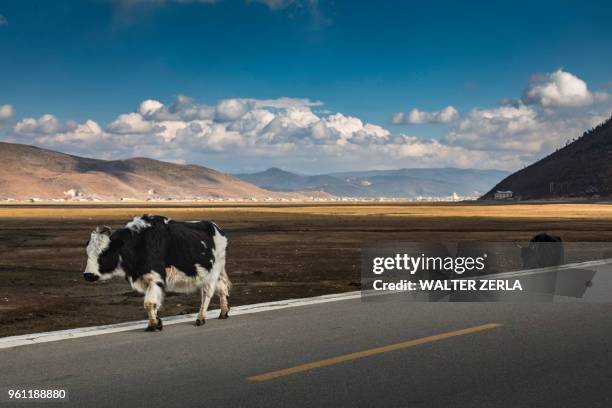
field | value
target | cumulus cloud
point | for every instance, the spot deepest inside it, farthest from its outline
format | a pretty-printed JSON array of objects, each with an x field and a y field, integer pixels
[
  {"x": 535, "y": 125},
  {"x": 234, "y": 131},
  {"x": 232, "y": 109},
  {"x": 130, "y": 123},
  {"x": 560, "y": 89},
  {"x": 46, "y": 124},
  {"x": 521, "y": 130},
  {"x": 86, "y": 138},
  {"x": 502, "y": 128},
  {"x": 183, "y": 108},
  {"x": 6, "y": 112},
  {"x": 89, "y": 131},
  {"x": 240, "y": 133},
  {"x": 435, "y": 153},
  {"x": 149, "y": 107},
  {"x": 418, "y": 117}
]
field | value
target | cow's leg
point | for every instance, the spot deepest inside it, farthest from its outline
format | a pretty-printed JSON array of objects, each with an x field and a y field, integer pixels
[
  {"x": 152, "y": 302},
  {"x": 222, "y": 290},
  {"x": 206, "y": 292}
]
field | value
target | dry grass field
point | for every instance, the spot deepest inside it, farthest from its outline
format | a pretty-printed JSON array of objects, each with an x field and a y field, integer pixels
[{"x": 276, "y": 251}]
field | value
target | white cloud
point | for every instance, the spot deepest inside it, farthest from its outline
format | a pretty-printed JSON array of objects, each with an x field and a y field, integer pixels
[
  {"x": 130, "y": 123},
  {"x": 434, "y": 153},
  {"x": 89, "y": 131},
  {"x": 418, "y": 117},
  {"x": 3, "y": 21},
  {"x": 560, "y": 89},
  {"x": 283, "y": 129},
  {"x": 183, "y": 108},
  {"x": 48, "y": 127},
  {"x": 240, "y": 133},
  {"x": 502, "y": 128},
  {"x": 521, "y": 130},
  {"x": 46, "y": 124},
  {"x": 149, "y": 107},
  {"x": 6, "y": 112},
  {"x": 233, "y": 109}
]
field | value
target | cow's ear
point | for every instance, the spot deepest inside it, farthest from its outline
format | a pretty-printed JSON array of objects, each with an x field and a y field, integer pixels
[{"x": 103, "y": 229}]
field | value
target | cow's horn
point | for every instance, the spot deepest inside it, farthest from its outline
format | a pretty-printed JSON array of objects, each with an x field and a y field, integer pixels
[{"x": 103, "y": 229}]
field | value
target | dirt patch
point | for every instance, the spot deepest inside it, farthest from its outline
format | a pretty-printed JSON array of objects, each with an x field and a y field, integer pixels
[{"x": 275, "y": 252}]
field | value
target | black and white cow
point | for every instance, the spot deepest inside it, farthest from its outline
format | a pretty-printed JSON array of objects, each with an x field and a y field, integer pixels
[{"x": 156, "y": 254}]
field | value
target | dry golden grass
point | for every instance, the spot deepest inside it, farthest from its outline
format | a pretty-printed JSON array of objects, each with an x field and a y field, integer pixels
[{"x": 410, "y": 210}]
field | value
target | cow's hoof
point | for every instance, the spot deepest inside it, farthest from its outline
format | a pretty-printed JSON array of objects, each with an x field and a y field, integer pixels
[
  {"x": 159, "y": 326},
  {"x": 200, "y": 322},
  {"x": 224, "y": 315}
]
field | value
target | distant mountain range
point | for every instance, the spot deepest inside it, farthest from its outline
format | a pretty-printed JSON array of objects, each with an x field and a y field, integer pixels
[
  {"x": 582, "y": 169},
  {"x": 402, "y": 183},
  {"x": 28, "y": 172}
]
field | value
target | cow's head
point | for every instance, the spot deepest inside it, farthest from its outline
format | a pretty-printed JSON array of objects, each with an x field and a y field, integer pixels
[
  {"x": 542, "y": 251},
  {"x": 103, "y": 259}
]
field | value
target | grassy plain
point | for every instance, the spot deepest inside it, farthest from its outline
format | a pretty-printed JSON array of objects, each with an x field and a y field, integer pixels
[{"x": 277, "y": 251}]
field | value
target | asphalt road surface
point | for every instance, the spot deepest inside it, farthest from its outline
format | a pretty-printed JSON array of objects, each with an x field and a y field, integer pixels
[{"x": 343, "y": 354}]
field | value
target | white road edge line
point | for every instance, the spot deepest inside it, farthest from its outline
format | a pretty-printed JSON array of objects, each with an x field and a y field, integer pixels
[{"x": 37, "y": 338}]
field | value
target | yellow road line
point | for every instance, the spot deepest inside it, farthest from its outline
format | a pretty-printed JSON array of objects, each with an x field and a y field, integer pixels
[{"x": 371, "y": 352}]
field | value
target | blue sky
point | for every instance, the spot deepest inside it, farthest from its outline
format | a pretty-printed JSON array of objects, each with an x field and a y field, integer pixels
[{"x": 93, "y": 61}]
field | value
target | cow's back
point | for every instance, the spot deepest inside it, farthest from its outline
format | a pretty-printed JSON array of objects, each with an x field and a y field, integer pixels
[{"x": 194, "y": 243}]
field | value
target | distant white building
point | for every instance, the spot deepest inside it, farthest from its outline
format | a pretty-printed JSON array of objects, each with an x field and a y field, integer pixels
[
  {"x": 502, "y": 195},
  {"x": 72, "y": 193}
]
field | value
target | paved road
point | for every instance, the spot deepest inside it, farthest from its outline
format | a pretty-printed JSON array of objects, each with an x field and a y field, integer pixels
[{"x": 541, "y": 355}]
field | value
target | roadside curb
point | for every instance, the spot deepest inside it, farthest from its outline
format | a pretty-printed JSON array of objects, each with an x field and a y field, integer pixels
[{"x": 45, "y": 337}]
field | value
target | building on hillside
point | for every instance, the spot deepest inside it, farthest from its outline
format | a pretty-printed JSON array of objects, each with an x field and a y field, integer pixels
[{"x": 502, "y": 195}]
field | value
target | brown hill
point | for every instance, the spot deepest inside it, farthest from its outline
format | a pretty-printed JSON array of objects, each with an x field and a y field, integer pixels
[
  {"x": 28, "y": 172},
  {"x": 582, "y": 169}
]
